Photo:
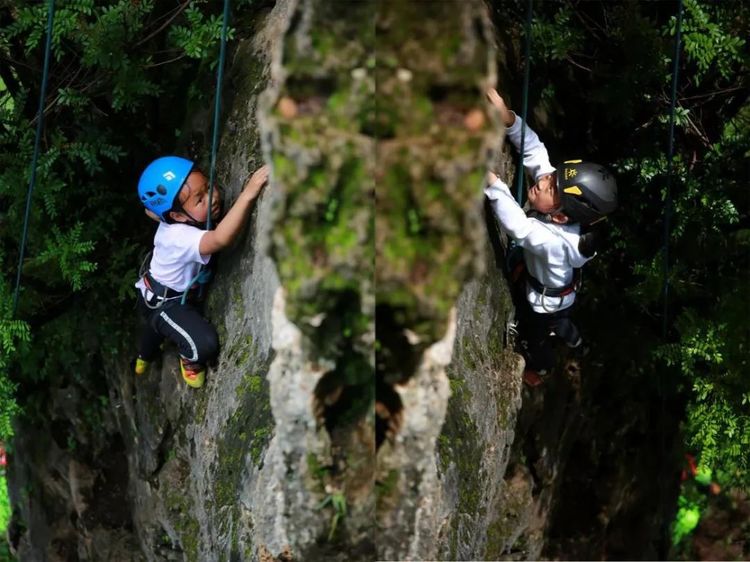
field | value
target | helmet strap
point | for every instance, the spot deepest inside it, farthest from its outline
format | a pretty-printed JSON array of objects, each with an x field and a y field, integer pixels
[
  {"x": 543, "y": 217},
  {"x": 192, "y": 221}
]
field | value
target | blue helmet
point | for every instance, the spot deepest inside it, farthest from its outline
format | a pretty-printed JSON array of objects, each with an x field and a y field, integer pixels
[{"x": 161, "y": 181}]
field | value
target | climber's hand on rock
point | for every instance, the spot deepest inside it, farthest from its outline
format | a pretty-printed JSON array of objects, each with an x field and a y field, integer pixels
[
  {"x": 506, "y": 115},
  {"x": 256, "y": 182}
]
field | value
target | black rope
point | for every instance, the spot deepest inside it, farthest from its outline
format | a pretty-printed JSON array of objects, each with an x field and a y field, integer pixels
[
  {"x": 665, "y": 525},
  {"x": 670, "y": 158}
]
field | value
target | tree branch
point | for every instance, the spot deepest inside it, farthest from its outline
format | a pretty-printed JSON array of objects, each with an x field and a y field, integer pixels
[{"x": 158, "y": 30}]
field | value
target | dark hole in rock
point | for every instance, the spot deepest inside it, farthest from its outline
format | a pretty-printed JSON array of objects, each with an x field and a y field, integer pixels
[
  {"x": 344, "y": 395},
  {"x": 388, "y": 412},
  {"x": 397, "y": 358}
]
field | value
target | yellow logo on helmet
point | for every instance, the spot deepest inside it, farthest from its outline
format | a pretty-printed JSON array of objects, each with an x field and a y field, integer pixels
[
  {"x": 570, "y": 173},
  {"x": 572, "y": 161},
  {"x": 573, "y": 190}
]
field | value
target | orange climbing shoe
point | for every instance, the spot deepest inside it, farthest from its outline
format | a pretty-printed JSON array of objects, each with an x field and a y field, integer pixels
[
  {"x": 140, "y": 365},
  {"x": 533, "y": 378},
  {"x": 193, "y": 374}
]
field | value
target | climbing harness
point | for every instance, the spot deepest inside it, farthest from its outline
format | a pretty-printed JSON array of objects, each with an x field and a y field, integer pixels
[
  {"x": 39, "y": 123},
  {"x": 520, "y": 273},
  {"x": 163, "y": 294}
]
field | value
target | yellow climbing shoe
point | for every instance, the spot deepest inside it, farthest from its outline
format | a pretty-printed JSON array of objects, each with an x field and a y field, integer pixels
[
  {"x": 141, "y": 365},
  {"x": 193, "y": 374}
]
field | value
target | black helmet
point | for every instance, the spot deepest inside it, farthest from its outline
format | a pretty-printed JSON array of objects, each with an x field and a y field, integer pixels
[{"x": 588, "y": 191}]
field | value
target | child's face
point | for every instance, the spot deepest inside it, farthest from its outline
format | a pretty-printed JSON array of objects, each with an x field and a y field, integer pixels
[
  {"x": 194, "y": 199},
  {"x": 543, "y": 195}
]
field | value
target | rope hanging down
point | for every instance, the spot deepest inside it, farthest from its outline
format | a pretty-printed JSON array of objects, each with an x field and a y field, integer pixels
[
  {"x": 664, "y": 542},
  {"x": 670, "y": 157},
  {"x": 524, "y": 105},
  {"x": 204, "y": 275},
  {"x": 35, "y": 157},
  {"x": 217, "y": 107}
]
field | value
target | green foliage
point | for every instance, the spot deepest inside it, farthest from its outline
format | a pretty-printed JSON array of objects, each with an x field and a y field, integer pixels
[
  {"x": 12, "y": 333},
  {"x": 199, "y": 38},
  {"x": 706, "y": 41},
  {"x": 557, "y": 39},
  {"x": 688, "y": 516},
  {"x": 5, "y": 509},
  {"x": 337, "y": 500},
  {"x": 68, "y": 250}
]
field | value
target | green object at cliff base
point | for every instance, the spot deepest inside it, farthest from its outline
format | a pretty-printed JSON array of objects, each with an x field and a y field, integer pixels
[{"x": 686, "y": 521}]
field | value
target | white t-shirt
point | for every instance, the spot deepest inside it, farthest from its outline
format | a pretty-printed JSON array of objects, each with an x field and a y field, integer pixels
[
  {"x": 550, "y": 250},
  {"x": 177, "y": 258}
]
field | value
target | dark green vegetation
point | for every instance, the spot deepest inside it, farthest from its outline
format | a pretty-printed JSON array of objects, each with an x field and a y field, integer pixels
[{"x": 601, "y": 80}]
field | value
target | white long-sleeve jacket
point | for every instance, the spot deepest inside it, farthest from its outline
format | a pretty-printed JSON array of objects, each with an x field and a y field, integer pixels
[{"x": 550, "y": 250}]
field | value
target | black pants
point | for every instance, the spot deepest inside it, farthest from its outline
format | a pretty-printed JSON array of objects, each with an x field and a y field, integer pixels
[
  {"x": 194, "y": 336},
  {"x": 538, "y": 332}
]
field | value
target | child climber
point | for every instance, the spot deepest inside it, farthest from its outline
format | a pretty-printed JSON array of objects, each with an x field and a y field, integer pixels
[
  {"x": 176, "y": 193},
  {"x": 560, "y": 203}
]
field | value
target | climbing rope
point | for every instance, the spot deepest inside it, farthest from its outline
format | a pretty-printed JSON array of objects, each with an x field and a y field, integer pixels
[
  {"x": 524, "y": 105},
  {"x": 670, "y": 157},
  {"x": 35, "y": 157},
  {"x": 217, "y": 107},
  {"x": 663, "y": 543},
  {"x": 204, "y": 275}
]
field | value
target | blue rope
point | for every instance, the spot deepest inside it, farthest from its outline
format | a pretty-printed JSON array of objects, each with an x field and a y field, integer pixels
[
  {"x": 520, "y": 174},
  {"x": 670, "y": 157},
  {"x": 39, "y": 123},
  {"x": 217, "y": 107}
]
